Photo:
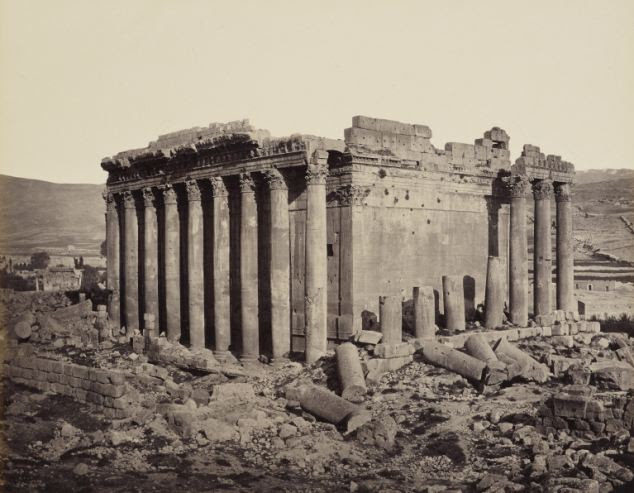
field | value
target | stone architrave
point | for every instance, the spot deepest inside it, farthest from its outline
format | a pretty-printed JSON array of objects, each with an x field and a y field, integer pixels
[
  {"x": 565, "y": 252},
  {"x": 220, "y": 264},
  {"x": 315, "y": 302},
  {"x": 150, "y": 249},
  {"x": 518, "y": 186},
  {"x": 279, "y": 265},
  {"x": 113, "y": 258},
  {"x": 195, "y": 276},
  {"x": 249, "y": 304},
  {"x": 542, "y": 251},
  {"x": 131, "y": 262},
  {"x": 172, "y": 263}
]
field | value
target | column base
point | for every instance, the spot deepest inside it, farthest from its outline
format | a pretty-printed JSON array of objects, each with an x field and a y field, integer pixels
[
  {"x": 225, "y": 356},
  {"x": 249, "y": 358}
]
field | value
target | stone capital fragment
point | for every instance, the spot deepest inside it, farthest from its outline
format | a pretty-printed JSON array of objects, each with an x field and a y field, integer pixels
[
  {"x": 169, "y": 194},
  {"x": 218, "y": 187},
  {"x": 193, "y": 190},
  {"x": 128, "y": 200},
  {"x": 149, "y": 199},
  {"x": 542, "y": 189},
  {"x": 563, "y": 192},
  {"x": 518, "y": 186},
  {"x": 275, "y": 179},
  {"x": 247, "y": 184}
]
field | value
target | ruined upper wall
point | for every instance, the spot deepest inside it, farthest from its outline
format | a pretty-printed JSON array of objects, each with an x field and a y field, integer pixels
[
  {"x": 412, "y": 142},
  {"x": 535, "y": 164}
]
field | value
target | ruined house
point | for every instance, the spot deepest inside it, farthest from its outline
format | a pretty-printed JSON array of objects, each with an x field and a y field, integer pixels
[{"x": 236, "y": 240}]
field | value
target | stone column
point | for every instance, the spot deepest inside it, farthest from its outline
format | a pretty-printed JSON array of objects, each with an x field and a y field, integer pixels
[
  {"x": 131, "y": 263},
  {"x": 518, "y": 253},
  {"x": 316, "y": 301},
  {"x": 391, "y": 319},
  {"x": 565, "y": 252},
  {"x": 172, "y": 264},
  {"x": 494, "y": 297},
  {"x": 279, "y": 265},
  {"x": 542, "y": 251},
  {"x": 424, "y": 312},
  {"x": 112, "y": 258},
  {"x": 453, "y": 300},
  {"x": 195, "y": 276},
  {"x": 220, "y": 267},
  {"x": 150, "y": 247},
  {"x": 249, "y": 305}
]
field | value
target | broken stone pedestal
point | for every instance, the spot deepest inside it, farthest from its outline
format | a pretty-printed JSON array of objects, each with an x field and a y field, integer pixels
[
  {"x": 424, "y": 312},
  {"x": 453, "y": 298}
]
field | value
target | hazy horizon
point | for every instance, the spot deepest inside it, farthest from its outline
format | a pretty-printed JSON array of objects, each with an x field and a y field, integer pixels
[{"x": 83, "y": 80}]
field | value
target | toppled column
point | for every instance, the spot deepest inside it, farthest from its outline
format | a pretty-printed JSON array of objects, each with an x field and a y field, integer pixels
[
  {"x": 351, "y": 377},
  {"x": 391, "y": 319},
  {"x": 494, "y": 297},
  {"x": 424, "y": 312},
  {"x": 316, "y": 301},
  {"x": 518, "y": 253},
  {"x": 456, "y": 361},
  {"x": 22, "y": 327},
  {"x": 520, "y": 363},
  {"x": 329, "y": 407},
  {"x": 453, "y": 298},
  {"x": 478, "y": 347}
]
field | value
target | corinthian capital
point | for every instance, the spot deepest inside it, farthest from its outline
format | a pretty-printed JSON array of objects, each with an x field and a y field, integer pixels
[
  {"x": 316, "y": 174},
  {"x": 218, "y": 187},
  {"x": 542, "y": 189},
  {"x": 128, "y": 200},
  {"x": 563, "y": 192},
  {"x": 247, "y": 185},
  {"x": 352, "y": 194},
  {"x": 169, "y": 194},
  {"x": 518, "y": 186},
  {"x": 149, "y": 199},
  {"x": 193, "y": 190},
  {"x": 275, "y": 179},
  {"x": 110, "y": 200}
]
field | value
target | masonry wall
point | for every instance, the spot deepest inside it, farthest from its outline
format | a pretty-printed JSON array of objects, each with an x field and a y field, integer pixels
[{"x": 412, "y": 230}]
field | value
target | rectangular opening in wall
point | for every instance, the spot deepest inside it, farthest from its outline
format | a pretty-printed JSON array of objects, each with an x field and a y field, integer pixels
[{"x": 330, "y": 250}]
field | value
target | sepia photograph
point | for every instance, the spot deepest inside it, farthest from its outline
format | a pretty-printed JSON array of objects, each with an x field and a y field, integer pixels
[{"x": 322, "y": 246}]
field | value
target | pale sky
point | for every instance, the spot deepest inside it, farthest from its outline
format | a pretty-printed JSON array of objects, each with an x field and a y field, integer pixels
[{"x": 81, "y": 80}]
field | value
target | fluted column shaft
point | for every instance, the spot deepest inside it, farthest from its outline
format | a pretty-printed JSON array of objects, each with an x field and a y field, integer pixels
[
  {"x": 542, "y": 251},
  {"x": 150, "y": 248},
  {"x": 195, "y": 276},
  {"x": 249, "y": 305},
  {"x": 131, "y": 262},
  {"x": 220, "y": 265},
  {"x": 279, "y": 266},
  {"x": 565, "y": 251},
  {"x": 518, "y": 254},
  {"x": 172, "y": 264},
  {"x": 316, "y": 307},
  {"x": 112, "y": 258}
]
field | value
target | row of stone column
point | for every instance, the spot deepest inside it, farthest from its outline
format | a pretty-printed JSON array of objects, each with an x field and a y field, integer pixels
[
  {"x": 519, "y": 188},
  {"x": 279, "y": 261}
]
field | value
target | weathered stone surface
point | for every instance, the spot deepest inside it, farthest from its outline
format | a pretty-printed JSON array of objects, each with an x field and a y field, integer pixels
[
  {"x": 393, "y": 350},
  {"x": 454, "y": 360},
  {"x": 368, "y": 337},
  {"x": 379, "y": 432},
  {"x": 519, "y": 362},
  {"x": 233, "y": 391},
  {"x": 351, "y": 378},
  {"x": 612, "y": 375},
  {"x": 453, "y": 297}
]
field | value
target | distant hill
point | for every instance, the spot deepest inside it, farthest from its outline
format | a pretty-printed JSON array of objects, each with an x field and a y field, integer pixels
[
  {"x": 599, "y": 175},
  {"x": 38, "y": 215}
]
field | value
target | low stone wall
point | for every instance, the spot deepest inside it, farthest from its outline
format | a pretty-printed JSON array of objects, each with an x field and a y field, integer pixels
[
  {"x": 103, "y": 389},
  {"x": 516, "y": 334},
  {"x": 578, "y": 409}
]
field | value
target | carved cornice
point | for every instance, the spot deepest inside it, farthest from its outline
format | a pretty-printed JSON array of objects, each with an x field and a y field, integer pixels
[
  {"x": 563, "y": 192},
  {"x": 351, "y": 195},
  {"x": 128, "y": 200},
  {"x": 218, "y": 187},
  {"x": 247, "y": 185},
  {"x": 275, "y": 179},
  {"x": 169, "y": 194},
  {"x": 193, "y": 190},
  {"x": 518, "y": 186},
  {"x": 149, "y": 199},
  {"x": 542, "y": 189}
]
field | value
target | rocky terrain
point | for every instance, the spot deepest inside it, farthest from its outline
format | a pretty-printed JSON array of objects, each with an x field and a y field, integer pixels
[{"x": 88, "y": 408}]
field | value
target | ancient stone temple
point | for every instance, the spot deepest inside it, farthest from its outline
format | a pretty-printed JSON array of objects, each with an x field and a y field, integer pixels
[{"x": 235, "y": 240}]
